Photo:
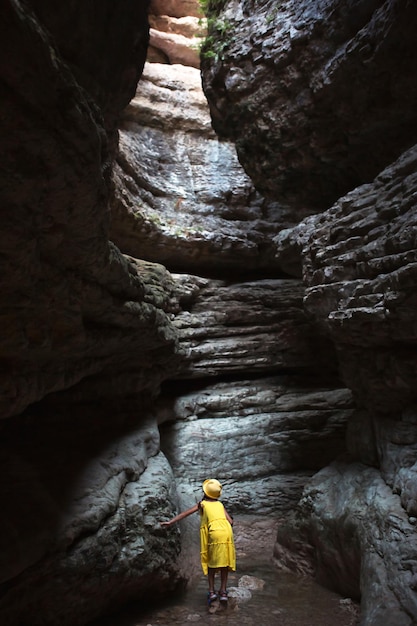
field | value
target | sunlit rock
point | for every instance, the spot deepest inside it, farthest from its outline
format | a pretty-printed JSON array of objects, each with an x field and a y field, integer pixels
[
  {"x": 182, "y": 197},
  {"x": 176, "y": 48},
  {"x": 176, "y": 8},
  {"x": 262, "y": 438},
  {"x": 188, "y": 26}
]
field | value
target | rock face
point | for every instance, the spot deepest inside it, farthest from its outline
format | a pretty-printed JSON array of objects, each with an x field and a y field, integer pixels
[
  {"x": 168, "y": 315},
  {"x": 82, "y": 324},
  {"x": 265, "y": 436},
  {"x": 69, "y": 293},
  {"x": 359, "y": 280},
  {"x": 80, "y": 534},
  {"x": 202, "y": 213},
  {"x": 324, "y": 90},
  {"x": 176, "y": 40},
  {"x": 201, "y": 206},
  {"x": 313, "y": 94},
  {"x": 93, "y": 324},
  {"x": 350, "y": 524},
  {"x": 359, "y": 261}
]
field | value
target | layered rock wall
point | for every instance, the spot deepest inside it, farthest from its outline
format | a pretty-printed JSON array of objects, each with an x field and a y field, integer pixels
[
  {"x": 70, "y": 298},
  {"x": 324, "y": 90},
  {"x": 318, "y": 92},
  {"x": 91, "y": 331},
  {"x": 183, "y": 198},
  {"x": 83, "y": 325},
  {"x": 234, "y": 348}
]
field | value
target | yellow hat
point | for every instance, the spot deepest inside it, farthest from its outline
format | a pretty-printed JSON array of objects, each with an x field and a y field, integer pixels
[{"x": 212, "y": 488}]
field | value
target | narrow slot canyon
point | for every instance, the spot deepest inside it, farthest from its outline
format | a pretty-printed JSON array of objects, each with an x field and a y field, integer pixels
[{"x": 208, "y": 265}]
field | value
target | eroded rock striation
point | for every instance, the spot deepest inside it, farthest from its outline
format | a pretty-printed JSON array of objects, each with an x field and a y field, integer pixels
[
  {"x": 233, "y": 306},
  {"x": 359, "y": 266},
  {"x": 182, "y": 197},
  {"x": 309, "y": 93},
  {"x": 324, "y": 90},
  {"x": 70, "y": 298},
  {"x": 359, "y": 284},
  {"x": 267, "y": 436},
  {"x": 82, "y": 324}
]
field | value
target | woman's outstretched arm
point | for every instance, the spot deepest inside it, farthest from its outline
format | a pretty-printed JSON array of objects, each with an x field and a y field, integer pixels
[{"x": 181, "y": 516}]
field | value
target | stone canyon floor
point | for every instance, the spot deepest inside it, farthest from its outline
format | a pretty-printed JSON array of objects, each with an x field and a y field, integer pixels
[{"x": 259, "y": 594}]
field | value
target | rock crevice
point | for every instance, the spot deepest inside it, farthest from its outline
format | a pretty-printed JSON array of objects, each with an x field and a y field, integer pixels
[{"x": 233, "y": 277}]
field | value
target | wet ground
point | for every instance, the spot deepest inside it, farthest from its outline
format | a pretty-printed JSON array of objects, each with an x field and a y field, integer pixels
[
  {"x": 281, "y": 599},
  {"x": 284, "y": 600}
]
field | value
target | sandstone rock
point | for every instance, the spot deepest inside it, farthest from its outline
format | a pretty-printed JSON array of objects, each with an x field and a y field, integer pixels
[
  {"x": 194, "y": 207},
  {"x": 177, "y": 48},
  {"x": 190, "y": 27},
  {"x": 156, "y": 56},
  {"x": 176, "y": 39},
  {"x": 176, "y": 8},
  {"x": 171, "y": 99}
]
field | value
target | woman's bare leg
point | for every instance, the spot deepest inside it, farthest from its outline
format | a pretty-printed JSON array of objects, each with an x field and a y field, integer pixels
[
  {"x": 210, "y": 577},
  {"x": 224, "y": 572}
]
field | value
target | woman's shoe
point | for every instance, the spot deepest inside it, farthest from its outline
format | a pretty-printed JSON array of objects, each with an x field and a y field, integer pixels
[{"x": 223, "y": 596}]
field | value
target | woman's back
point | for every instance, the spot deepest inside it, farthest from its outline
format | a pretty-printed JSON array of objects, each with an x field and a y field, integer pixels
[
  {"x": 212, "y": 510},
  {"x": 217, "y": 545}
]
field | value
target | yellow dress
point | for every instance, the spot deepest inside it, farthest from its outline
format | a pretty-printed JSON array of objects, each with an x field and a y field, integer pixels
[{"x": 216, "y": 537}]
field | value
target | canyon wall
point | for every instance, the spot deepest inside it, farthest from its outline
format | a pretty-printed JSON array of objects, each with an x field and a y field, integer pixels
[
  {"x": 87, "y": 334},
  {"x": 192, "y": 289},
  {"x": 256, "y": 371},
  {"x": 320, "y": 100}
]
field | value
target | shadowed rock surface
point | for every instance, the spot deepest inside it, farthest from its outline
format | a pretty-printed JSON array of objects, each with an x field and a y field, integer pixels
[
  {"x": 359, "y": 266},
  {"x": 311, "y": 93},
  {"x": 76, "y": 315},
  {"x": 71, "y": 300},
  {"x": 158, "y": 296},
  {"x": 319, "y": 96}
]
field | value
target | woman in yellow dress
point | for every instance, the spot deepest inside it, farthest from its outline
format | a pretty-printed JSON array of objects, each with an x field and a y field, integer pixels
[{"x": 216, "y": 537}]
